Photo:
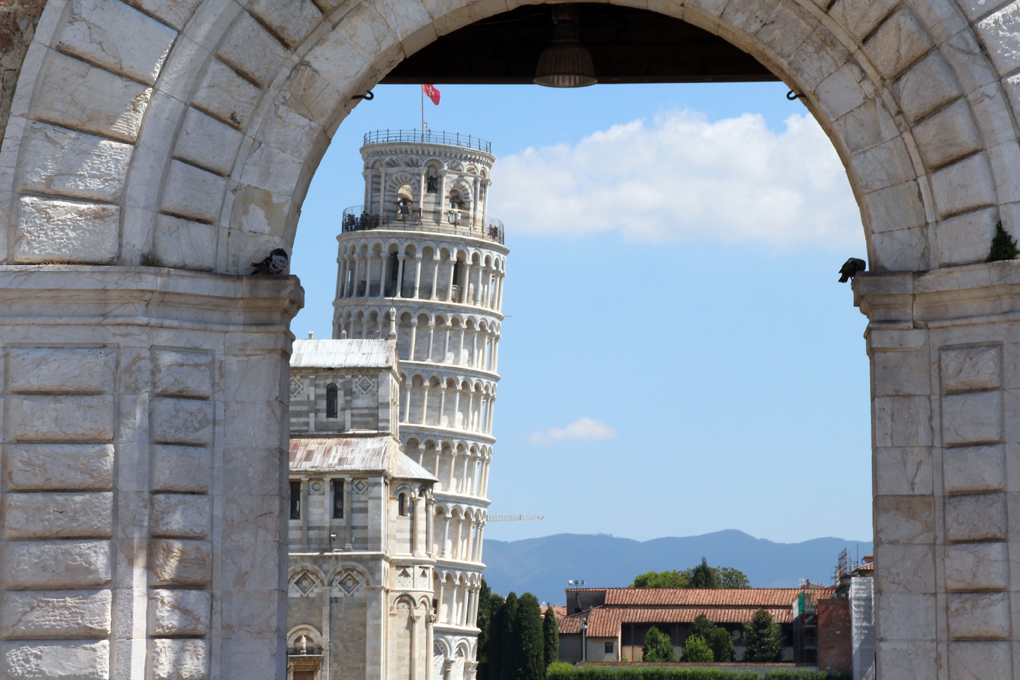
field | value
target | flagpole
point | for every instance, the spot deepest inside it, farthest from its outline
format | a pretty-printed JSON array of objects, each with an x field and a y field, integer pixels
[{"x": 423, "y": 113}]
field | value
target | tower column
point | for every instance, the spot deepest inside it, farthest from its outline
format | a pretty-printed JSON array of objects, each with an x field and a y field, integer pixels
[
  {"x": 442, "y": 402},
  {"x": 456, "y": 407},
  {"x": 417, "y": 274},
  {"x": 446, "y": 537},
  {"x": 432, "y": 332},
  {"x": 446, "y": 341},
  {"x": 384, "y": 264},
  {"x": 400, "y": 276},
  {"x": 459, "y": 549},
  {"x": 414, "y": 335},
  {"x": 435, "y": 276},
  {"x": 450, "y": 283},
  {"x": 467, "y": 284},
  {"x": 407, "y": 400},
  {"x": 354, "y": 280},
  {"x": 425, "y": 401}
]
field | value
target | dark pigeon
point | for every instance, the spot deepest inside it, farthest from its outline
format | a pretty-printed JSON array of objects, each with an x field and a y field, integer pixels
[
  {"x": 275, "y": 264},
  {"x": 851, "y": 268}
]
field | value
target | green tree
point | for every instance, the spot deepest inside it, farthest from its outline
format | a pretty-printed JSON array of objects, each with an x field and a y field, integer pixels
[
  {"x": 1003, "y": 245},
  {"x": 551, "y": 637},
  {"x": 529, "y": 647},
  {"x": 662, "y": 579},
  {"x": 696, "y": 650},
  {"x": 703, "y": 576},
  {"x": 488, "y": 644},
  {"x": 657, "y": 647},
  {"x": 503, "y": 663},
  {"x": 719, "y": 639},
  {"x": 732, "y": 578},
  {"x": 762, "y": 637}
]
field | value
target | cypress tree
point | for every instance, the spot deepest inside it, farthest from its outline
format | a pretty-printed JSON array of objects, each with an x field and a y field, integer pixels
[
  {"x": 551, "y": 637},
  {"x": 504, "y": 664},
  {"x": 527, "y": 639},
  {"x": 704, "y": 576},
  {"x": 657, "y": 647},
  {"x": 763, "y": 638},
  {"x": 488, "y": 644}
]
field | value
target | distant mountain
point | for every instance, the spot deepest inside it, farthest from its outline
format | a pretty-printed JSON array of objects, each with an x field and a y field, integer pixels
[{"x": 543, "y": 565}]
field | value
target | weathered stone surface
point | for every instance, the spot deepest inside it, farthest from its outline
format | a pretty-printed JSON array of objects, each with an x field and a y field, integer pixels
[
  {"x": 174, "y": 12},
  {"x": 898, "y": 42},
  {"x": 58, "y": 369},
  {"x": 1000, "y": 33},
  {"x": 976, "y": 518},
  {"x": 180, "y": 563},
  {"x": 907, "y": 617},
  {"x": 60, "y": 418},
  {"x": 972, "y": 418},
  {"x": 963, "y": 186},
  {"x": 193, "y": 193},
  {"x": 905, "y": 519},
  {"x": 948, "y": 135},
  {"x": 182, "y": 421},
  {"x": 182, "y": 373},
  {"x": 902, "y": 421},
  {"x": 926, "y": 86},
  {"x": 906, "y": 568},
  {"x": 114, "y": 35},
  {"x": 55, "y": 660},
  {"x": 907, "y": 659},
  {"x": 226, "y": 95},
  {"x": 974, "y": 469},
  {"x": 290, "y": 21},
  {"x": 861, "y": 16},
  {"x": 60, "y": 467},
  {"x": 251, "y": 49},
  {"x": 971, "y": 368},
  {"x": 57, "y": 564},
  {"x": 207, "y": 143},
  {"x": 979, "y": 616},
  {"x": 66, "y": 231},
  {"x": 901, "y": 373},
  {"x": 56, "y": 614},
  {"x": 179, "y": 659},
  {"x": 979, "y": 660},
  {"x": 895, "y": 209},
  {"x": 176, "y": 613},
  {"x": 903, "y": 471},
  {"x": 66, "y": 97},
  {"x": 58, "y": 515},
  {"x": 184, "y": 244},
  {"x": 966, "y": 238},
  {"x": 181, "y": 468},
  {"x": 74, "y": 164},
  {"x": 180, "y": 515},
  {"x": 977, "y": 566}
]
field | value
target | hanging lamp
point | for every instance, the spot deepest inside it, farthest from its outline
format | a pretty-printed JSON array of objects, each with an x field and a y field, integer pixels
[{"x": 565, "y": 62}]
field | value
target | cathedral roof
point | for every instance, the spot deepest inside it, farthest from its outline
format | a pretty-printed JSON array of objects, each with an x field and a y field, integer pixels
[
  {"x": 354, "y": 454},
  {"x": 344, "y": 354}
]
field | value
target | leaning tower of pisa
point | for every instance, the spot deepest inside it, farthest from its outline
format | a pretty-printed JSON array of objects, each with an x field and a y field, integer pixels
[{"x": 422, "y": 258}]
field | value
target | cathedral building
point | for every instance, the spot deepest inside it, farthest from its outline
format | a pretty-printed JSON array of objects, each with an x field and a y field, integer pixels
[{"x": 391, "y": 423}]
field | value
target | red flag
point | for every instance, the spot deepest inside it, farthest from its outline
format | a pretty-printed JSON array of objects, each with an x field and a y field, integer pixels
[{"x": 431, "y": 92}]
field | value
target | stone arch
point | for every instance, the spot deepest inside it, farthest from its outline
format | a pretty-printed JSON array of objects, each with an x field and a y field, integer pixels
[{"x": 206, "y": 152}]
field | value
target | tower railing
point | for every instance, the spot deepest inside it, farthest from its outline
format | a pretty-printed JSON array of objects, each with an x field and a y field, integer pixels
[
  {"x": 428, "y": 137},
  {"x": 355, "y": 218}
]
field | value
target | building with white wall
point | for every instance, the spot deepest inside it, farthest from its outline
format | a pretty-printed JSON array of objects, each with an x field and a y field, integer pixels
[{"x": 422, "y": 264}]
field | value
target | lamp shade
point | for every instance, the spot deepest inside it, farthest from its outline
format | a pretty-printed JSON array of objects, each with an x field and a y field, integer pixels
[{"x": 566, "y": 62}]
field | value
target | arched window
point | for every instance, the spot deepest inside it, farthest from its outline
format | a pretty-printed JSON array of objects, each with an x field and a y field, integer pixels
[
  {"x": 402, "y": 505},
  {"x": 331, "y": 409}
]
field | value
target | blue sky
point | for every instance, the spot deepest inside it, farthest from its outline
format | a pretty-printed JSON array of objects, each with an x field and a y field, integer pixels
[{"x": 677, "y": 357}]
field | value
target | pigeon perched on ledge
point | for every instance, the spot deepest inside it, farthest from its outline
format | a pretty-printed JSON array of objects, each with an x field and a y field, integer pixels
[
  {"x": 274, "y": 265},
  {"x": 851, "y": 268}
]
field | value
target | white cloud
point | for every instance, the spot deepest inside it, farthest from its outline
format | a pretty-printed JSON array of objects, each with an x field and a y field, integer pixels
[
  {"x": 684, "y": 178},
  {"x": 582, "y": 428}
]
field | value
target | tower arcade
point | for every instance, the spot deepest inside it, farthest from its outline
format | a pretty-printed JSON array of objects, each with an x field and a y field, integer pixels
[{"x": 422, "y": 259}]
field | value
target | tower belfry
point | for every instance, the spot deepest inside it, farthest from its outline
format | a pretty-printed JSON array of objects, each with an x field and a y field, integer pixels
[{"x": 422, "y": 254}]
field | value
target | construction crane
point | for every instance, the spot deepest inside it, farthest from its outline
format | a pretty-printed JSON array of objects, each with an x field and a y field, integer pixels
[{"x": 512, "y": 518}]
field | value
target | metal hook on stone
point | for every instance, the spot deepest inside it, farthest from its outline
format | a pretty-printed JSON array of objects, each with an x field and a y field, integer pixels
[
  {"x": 368, "y": 97},
  {"x": 793, "y": 96}
]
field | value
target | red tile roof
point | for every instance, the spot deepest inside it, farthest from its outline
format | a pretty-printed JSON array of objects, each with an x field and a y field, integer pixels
[
  {"x": 570, "y": 625},
  {"x": 604, "y": 622},
  {"x": 708, "y": 597}
]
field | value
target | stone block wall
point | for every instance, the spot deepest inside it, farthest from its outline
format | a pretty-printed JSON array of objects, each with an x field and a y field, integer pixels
[{"x": 136, "y": 538}]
